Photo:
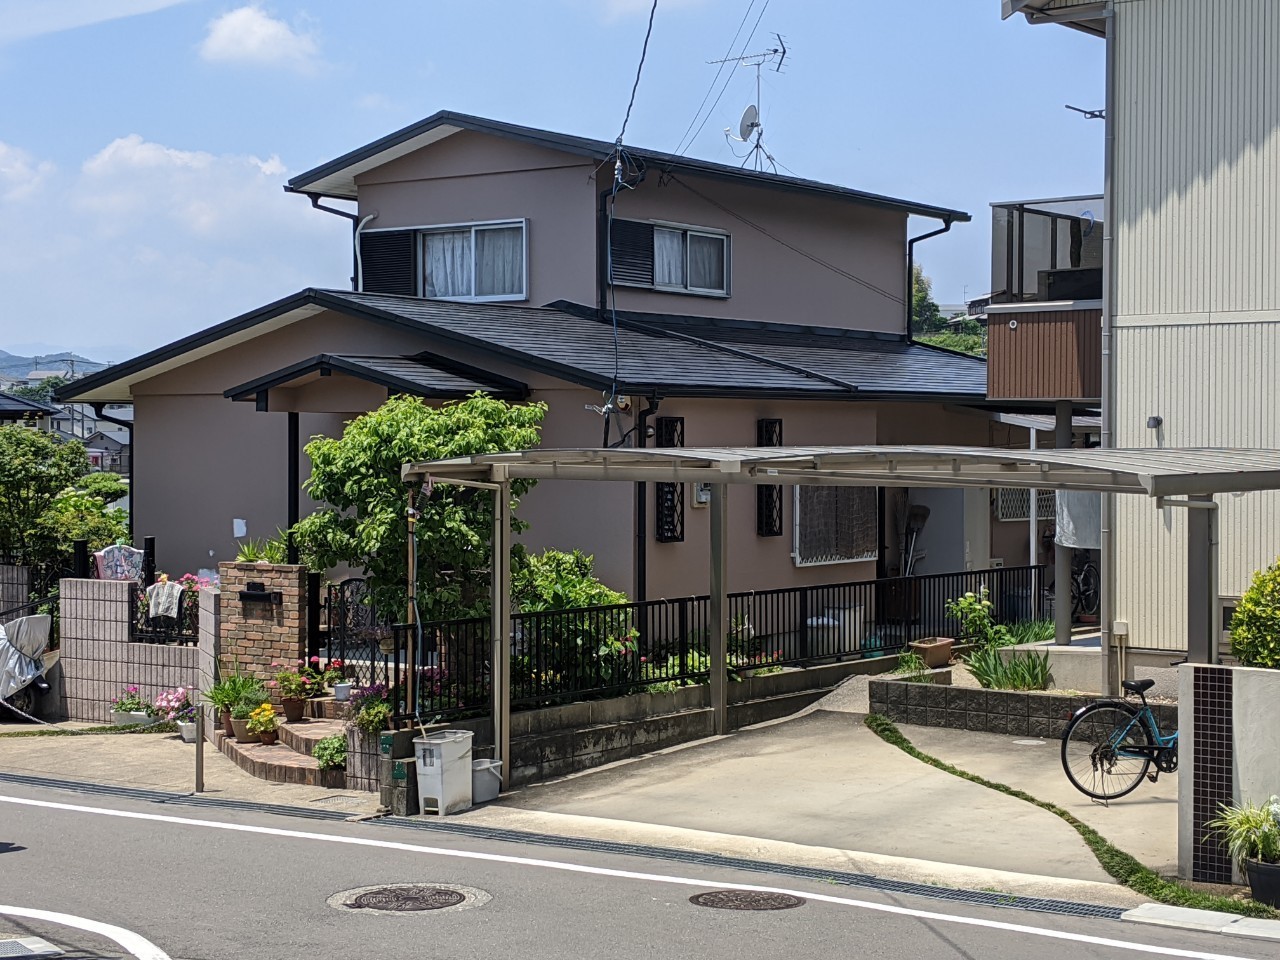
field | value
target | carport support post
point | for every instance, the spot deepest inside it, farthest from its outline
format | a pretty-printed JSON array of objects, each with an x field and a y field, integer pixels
[
  {"x": 719, "y": 609},
  {"x": 1203, "y": 629},
  {"x": 500, "y": 596},
  {"x": 1061, "y": 554}
]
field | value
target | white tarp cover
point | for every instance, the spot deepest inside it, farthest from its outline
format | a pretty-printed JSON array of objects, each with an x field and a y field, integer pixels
[
  {"x": 22, "y": 643},
  {"x": 1079, "y": 520}
]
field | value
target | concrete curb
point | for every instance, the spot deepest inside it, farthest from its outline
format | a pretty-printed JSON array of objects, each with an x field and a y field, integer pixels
[{"x": 1205, "y": 921}]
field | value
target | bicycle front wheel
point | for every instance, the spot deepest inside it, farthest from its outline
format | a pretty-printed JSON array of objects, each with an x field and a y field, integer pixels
[
  {"x": 1088, "y": 590},
  {"x": 1106, "y": 750}
]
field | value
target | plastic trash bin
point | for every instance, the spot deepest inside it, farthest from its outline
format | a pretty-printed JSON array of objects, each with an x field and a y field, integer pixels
[
  {"x": 486, "y": 780},
  {"x": 444, "y": 771}
]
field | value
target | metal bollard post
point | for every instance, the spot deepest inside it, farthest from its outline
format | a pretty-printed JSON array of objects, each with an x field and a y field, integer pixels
[{"x": 200, "y": 750}]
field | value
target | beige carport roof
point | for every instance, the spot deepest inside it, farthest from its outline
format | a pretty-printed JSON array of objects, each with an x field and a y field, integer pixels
[{"x": 1188, "y": 471}]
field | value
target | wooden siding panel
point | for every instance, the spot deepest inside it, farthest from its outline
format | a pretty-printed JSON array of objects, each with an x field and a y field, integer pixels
[{"x": 1050, "y": 355}]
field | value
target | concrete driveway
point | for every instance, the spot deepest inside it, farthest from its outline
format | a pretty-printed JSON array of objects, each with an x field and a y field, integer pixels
[{"x": 823, "y": 779}]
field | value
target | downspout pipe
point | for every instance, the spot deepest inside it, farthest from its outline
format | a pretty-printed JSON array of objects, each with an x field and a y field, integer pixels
[
  {"x": 911, "y": 270},
  {"x": 357, "y": 224},
  {"x": 99, "y": 413},
  {"x": 355, "y": 243}
]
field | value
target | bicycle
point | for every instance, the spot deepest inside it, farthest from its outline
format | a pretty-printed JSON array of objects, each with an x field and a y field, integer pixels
[
  {"x": 1086, "y": 586},
  {"x": 1112, "y": 744}
]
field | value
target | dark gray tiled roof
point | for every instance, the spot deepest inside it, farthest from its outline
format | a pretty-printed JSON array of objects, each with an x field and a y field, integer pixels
[
  {"x": 428, "y": 374},
  {"x": 15, "y": 408}
]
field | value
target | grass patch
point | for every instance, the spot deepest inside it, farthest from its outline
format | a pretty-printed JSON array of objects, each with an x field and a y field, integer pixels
[
  {"x": 1120, "y": 865},
  {"x": 63, "y": 732}
]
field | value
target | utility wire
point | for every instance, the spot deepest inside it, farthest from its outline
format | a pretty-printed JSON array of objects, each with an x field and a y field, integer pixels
[
  {"x": 725, "y": 85},
  {"x": 639, "y": 67},
  {"x": 724, "y": 62},
  {"x": 895, "y": 297}
]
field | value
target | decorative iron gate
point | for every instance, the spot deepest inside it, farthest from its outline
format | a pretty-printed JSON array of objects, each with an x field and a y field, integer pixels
[{"x": 358, "y": 636}]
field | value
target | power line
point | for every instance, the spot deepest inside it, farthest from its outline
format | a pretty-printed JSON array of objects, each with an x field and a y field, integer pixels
[
  {"x": 639, "y": 67},
  {"x": 725, "y": 85},
  {"x": 896, "y": 298},
  {"x": 719, "y": 70}
]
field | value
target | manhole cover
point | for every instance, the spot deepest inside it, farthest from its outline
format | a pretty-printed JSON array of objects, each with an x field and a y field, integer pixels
[
  {"x": 745, "y": 900},
  {"x": 409, "y": 898}
]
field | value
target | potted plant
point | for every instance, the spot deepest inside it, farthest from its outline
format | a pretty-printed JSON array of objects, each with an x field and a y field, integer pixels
[
  {"x": 331, "y": 752},
  {"x": 175, "y": 706},
  {"x": 226, "y": 693},
  {"x": 1251, "y": 835},
  {"x": 295, "y": 688},
  {"x": 129, "y": 709},
  {"x": 241, "y": 711},
  {"x": 264, "y": 722},
  {"x": 934, "y": 651}
]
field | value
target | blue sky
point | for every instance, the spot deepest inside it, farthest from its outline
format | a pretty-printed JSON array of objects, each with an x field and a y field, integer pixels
[{"x": 144, "y": 143}]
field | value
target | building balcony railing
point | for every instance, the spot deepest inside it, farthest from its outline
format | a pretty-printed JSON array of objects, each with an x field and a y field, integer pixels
[{"x": 1046, "y": 250}]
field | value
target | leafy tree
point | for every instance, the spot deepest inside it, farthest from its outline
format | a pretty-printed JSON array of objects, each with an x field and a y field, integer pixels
[
  {"x": 42, "y": 391},
  {"x": 971, "y": 343},
  {"x": 362, "y": 521},
  {"x": 34, "y": 469},
  {"x": 555, "y": 580},
  {"x": 925, "y": 315}
]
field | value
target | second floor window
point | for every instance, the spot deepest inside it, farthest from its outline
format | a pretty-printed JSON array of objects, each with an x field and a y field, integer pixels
[
  {"x": 480, "y": 262},
  {"x": 669, "y": 257}
]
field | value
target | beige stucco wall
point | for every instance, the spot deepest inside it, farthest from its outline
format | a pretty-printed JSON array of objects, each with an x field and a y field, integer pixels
[
  {"x": 473, "y": 177},
  {"x": 1197, "y": 341}
]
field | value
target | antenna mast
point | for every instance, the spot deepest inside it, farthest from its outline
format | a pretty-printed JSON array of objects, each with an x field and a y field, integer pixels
[{"x": 750, "y": 124}]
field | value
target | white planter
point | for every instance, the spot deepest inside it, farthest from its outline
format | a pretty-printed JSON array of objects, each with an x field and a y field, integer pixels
[
  {"x": 486, "y": 780},
  {"x": 342, "y": 692},
  {"x": 187, "y": 731},
  {"x": 133, "y": 718}
]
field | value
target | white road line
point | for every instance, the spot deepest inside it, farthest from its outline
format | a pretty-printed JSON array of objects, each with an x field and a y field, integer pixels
[
  {"x": 627, "y": 875},
  {"x": 137, "y": 945}
]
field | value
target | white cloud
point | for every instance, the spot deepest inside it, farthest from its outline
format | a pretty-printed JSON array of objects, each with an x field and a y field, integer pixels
[
  {"x": 248, "y": 35},
  {"x": 20, "y": 19},
  {"x": 21, "y": 175},
  {"x": 144, "y": 243}
]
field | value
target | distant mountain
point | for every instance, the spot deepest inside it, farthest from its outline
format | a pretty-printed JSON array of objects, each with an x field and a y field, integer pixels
[{"x": 17, "y": 367}]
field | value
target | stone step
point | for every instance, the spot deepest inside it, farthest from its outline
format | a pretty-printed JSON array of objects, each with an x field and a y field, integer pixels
[
  {"x": 278, "y": 764},
  {"x": 304, "y": 734}
]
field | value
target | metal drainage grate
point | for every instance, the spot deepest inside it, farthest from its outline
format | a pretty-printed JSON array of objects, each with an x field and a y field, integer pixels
[
  {"x": 28, "y": 947},
  {"x": 409, "y": 898},
  {"x": 745, "y": 900}
]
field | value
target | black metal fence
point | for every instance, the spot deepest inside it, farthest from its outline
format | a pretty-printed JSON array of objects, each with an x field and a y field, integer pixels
[
  {"x": 563, "y": 655},
  {"x": 149, "y": 625},
  {"x": 359, "y": 637}
]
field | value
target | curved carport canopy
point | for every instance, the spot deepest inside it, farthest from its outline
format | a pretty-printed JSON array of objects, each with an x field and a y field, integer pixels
[{"x": 1183, "y": 477}]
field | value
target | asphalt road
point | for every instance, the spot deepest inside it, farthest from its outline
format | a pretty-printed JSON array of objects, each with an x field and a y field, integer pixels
[{"x": 188, "y": 883}]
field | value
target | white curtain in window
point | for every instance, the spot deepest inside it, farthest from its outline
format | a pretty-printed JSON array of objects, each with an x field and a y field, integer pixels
[
  {"x": 448, "y": 260},
  {"x": 706, "y": 262},
  {"x": 668, "y": 258},
  {"x": 500, "y": 262}
]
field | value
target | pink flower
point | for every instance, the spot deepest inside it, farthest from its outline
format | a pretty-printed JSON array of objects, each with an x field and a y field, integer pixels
[
  {"x": 272, "y": 684},
  {"x": 313, "y": 660}
]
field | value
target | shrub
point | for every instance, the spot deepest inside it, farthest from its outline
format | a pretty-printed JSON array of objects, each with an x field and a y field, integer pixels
[
  {"x": 555, "y": 580},
  {"x": 911, "y": 666},
  {"x": 1023, "y": 670},
  {"x": 973, "y": 610},
  {"x": 1031, "y": 631},
  {"x": 1255, "y": 627},
  {"x": 331, "y": 752}
]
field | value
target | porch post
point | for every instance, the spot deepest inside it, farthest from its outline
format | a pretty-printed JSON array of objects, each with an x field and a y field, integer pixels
[
  {"x": 719, "y": 609},
  {"x": 294, "y": 481},
  {"x": 1061, "y": 554},
  {"x": 1203, "y": 630},
  {"x": 500, "y": 625}
]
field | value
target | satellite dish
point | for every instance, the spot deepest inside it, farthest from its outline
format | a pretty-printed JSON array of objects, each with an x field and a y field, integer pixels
[{"x": 750, "y": 120}]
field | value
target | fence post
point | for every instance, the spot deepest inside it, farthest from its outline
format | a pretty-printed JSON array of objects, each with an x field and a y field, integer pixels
[
  {"x": 148, "y": 561},
  {"x": 80, "y": 555},
  {"x": 684, "y": 636},
  {"x": 804, "y": 623}
]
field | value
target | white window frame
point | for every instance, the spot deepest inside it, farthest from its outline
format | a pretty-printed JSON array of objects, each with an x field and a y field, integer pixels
[
  {"x": 687, "y": 229},
  {"x": 796, "y": 519},
  {"x": 422, "y": 230}
]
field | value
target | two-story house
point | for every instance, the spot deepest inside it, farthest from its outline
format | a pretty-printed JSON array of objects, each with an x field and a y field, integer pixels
[{"x": 721, "y": 305}]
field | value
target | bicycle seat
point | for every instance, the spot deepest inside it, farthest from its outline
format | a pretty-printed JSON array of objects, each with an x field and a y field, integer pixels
[{"x": 1138, "y": 686}]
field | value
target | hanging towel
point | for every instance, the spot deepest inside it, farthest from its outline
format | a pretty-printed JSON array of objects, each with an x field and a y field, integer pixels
[{"x": 163, "y": 599}]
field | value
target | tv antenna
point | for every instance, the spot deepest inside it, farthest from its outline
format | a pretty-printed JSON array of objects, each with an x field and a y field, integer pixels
[
  {"x": 749, "y": 126},
  {"x": 1088, "y": 114}
]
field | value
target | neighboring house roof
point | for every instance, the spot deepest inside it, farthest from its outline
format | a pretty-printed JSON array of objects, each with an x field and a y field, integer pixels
[
  {"x": 423, "y": 376},
  {"x": 119, "y": 436},
  {"x": 664, "y": 356},
  {"x": 337, "y": 178},
  {"x": 46, "y": 374},
  {"x": 18, "y": 408}
]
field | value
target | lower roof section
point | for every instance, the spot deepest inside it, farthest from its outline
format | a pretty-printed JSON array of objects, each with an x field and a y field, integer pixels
[{"x": 1192, "y": 471}]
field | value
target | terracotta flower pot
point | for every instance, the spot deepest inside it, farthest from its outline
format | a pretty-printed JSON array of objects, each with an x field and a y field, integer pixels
[
  {"x": 269, "y": 737},
  {"x": 293, "y": 708},
  {"x": 936, "y": 651},
  {"x": 226, "y": 723}
]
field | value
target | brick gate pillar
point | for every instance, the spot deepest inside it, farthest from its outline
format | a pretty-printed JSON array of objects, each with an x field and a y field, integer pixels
[{"x": 255, "y": 633}]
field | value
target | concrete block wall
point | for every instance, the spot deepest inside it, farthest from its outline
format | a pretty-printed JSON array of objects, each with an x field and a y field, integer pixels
[
  {"x": 15, "y": 585},
  {"x": 254, "y": 634},
  {"x": 97, "y": 659}
]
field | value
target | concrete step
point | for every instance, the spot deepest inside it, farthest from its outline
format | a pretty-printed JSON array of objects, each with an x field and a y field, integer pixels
[
  {"x": 304, "y": 734},
  {"x": 278, "y": 763}
]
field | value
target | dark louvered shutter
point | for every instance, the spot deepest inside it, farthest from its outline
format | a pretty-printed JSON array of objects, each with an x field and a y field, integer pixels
[
  {"x": 669, "y": 522},
  {"x": 631, "y": 252},
  {"x": 389, "y": 262}
]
